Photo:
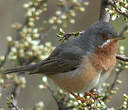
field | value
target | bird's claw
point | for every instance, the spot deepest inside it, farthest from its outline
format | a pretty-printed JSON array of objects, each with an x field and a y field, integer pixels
[
  {"x": 82, "y": 99},
  {"x": 91, "y": 94}
]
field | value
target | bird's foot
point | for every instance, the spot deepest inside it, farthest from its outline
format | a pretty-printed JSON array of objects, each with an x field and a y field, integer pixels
[
  {"x": 82, "y": 99},
  {"x": 87, "y": 95},
  {"x": 93, "y": 93}
]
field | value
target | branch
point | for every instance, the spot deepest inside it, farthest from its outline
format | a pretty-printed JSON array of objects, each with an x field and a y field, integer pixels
[
  {"x": 124, "y": 30},
  {"x": 60, "y": 103},
  {"x": 66, "y": 36},
  {"x": 16, "y": 89},
  {"x": 117, "y": 9},
  {"x": 113, "y": 84},
  {"x": 123, "y": 58},
  {"x": 119, "y": 57},
  {"x": 104, "y": 16},
  {"x": 6, "y": 55},
  {"x": 12, "y": 104},
  {"x": 45, "y": 34},
  {"x": 116, "y": 78}
]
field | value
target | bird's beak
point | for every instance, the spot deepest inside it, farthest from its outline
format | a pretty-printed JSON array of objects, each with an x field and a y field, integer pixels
[{"x": 117, "y": 37}]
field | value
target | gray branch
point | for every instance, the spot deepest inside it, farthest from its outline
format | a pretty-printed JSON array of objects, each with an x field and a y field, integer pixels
[{"x": 104, "y": 16}]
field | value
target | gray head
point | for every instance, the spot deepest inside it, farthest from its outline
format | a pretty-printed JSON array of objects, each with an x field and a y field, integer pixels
[{"x": 100, "y": 33}]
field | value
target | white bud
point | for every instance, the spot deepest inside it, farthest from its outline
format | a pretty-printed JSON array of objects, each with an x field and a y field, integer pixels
[
  {"x": 63, "y": 16},
  {"x": 29, "y": 13},
  {"x": 41, "y": 104},
  {"x": 117, "y": 69},
  {"x": 2, "y": 58},
  {"x": 122, "y": 48},
  {"x": 74, "y": 1},
  {"x": 1, "y": 81},
  {"x": 48, "y": 44},
  {"x": 61, "y": 30},
  {"x": 82, "y": 9},
  {"x": 41, "y": 86},
  {"x": 13, "y": 49},
  {"x": 59, "y": 21},
  {"x": 41, "y": 47},
  {"x": 26, "y": 5},
  {"x": 44, "y": 79},
  {"x": 33, "y": 9},
  {"x": 81, "y": 94},
  {"x": 114, "y": 17},
  {"x": 51, "y": 21},
  {"x": 58, "y": 13},
  {"x": 35, "y": 30},
  {"x": 123, "y": 9},
  {"x": 9, "y": 38},
  {"x": 72, "y": 21},
  {"x": 76, "y": 103}
]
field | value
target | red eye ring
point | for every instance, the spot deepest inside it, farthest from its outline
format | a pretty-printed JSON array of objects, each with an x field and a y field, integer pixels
[{"x": 104, "y": 36}]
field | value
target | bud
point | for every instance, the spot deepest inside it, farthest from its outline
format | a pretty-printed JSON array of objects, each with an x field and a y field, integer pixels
[{"x": 9, "y": 38}]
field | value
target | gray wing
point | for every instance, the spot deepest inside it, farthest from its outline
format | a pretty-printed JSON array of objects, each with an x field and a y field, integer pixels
[{"x": 62, "y": 59}]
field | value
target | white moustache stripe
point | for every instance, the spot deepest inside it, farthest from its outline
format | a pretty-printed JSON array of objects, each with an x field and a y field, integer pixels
[{"x": 108, "y": 41}]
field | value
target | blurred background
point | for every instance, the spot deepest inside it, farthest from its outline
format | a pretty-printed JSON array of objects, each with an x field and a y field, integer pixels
[{"x": 11, "y": 11}]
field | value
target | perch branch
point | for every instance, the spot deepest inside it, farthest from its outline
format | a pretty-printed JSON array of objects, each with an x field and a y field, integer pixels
[{"x": 123, "y": 58}]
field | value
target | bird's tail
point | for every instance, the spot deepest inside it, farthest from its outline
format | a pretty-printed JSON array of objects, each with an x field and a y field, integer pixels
[{"x": 25, "y": 68}]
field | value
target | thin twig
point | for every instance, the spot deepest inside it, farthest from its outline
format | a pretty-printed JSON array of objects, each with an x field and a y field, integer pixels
[
  {"x": 66, "y": 36},
  {"x": 60, "y": 103},
  {"x": 113, "y": 84},
  {"x": 15, "y": 107},
  {"x": 124, "y": 30},
  {"x": 12, "y": 104},
  {"x": 115, "y": 79},
  {"x": 16, "y": 90},
  {"x": 112, "y": 3},
  {"x": 104, "y": 16},
  {"x": 45, "y": 34},
  {"x": 123, "y": 58},
  {"x": 6, "y": 56},
  {"x": 52, "y": 93}
]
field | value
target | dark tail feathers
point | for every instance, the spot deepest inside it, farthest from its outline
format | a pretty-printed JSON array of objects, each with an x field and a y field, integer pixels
[{"x": 26, "y": 68}]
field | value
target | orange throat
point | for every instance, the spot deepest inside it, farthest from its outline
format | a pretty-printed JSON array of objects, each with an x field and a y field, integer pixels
[
  {"x": 108, "y": 49},
  {"x": 104, "y": 58}
]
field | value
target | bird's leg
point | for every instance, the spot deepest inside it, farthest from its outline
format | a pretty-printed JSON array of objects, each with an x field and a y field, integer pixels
[
  {"x": 82, "y": 99},
  {"x": 99, "y": 88},
  {"x": 93, "y": 93},
  {"x": 87, "y": 94}
]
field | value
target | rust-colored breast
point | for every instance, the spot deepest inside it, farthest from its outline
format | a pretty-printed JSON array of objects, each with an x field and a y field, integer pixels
[{"x": 104, "y": 58}]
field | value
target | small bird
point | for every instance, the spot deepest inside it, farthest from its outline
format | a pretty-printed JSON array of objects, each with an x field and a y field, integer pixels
[{"x": 81, "y": 63}]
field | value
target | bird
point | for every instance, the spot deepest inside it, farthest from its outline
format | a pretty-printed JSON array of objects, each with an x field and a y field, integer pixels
[{"x": 81, "y": 63}]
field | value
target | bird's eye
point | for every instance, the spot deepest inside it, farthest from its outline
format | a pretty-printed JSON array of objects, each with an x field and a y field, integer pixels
[{"x": 104, "y": 36}]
